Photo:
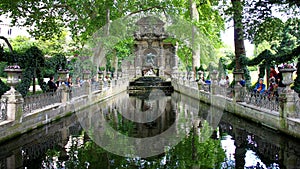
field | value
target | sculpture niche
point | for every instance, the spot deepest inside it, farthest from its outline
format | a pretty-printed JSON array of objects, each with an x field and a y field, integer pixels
[{"x": 153, "y": 56}]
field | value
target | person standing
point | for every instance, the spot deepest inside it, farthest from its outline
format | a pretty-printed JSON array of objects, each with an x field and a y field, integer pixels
[
  {"x": 52, "y": 86},
  {"x": 273, "y": 72},
  {"x": 279, "y": 78}
]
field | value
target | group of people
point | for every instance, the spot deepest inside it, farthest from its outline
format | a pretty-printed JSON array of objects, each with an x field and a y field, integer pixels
[
  {"x": 275, "y": 84},
  {"x": 224, "y": 82},
  {"x": 53, "y": 85}
]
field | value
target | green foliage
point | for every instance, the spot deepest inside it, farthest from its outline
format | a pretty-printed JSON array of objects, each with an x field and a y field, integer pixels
[
  {"x": 26, "y": 79},
  {"x": 2, "y": 67},
  {"x": 53, "y": 64},
  {"x": 221, "y": 68},
  {"x": 21, "y": 43},
  {"x": 80, "y": 64},
  {"x": 3, "y": 88}
]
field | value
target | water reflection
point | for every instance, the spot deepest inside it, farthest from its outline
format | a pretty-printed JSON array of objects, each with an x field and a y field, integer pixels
[
  {"x": 208, "y": 138},
  {"x": 133, "y": 126}
]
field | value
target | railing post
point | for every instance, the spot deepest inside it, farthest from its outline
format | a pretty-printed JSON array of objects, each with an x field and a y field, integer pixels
[
  {"x": 239, "y": 91},
  {"x": 87, "y": 87},
  {"x": 214, "y": 81},
  {"x": 101, "y": 84},
  {"x": 14, "y": 104},
  {"x": 287, "y": 106},
  {"x": 14, "y": 100},
  {"x": 65, "y": 92}
]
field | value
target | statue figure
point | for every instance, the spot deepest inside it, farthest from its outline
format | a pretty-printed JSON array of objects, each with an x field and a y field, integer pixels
[{"x": 149, "y": 59}]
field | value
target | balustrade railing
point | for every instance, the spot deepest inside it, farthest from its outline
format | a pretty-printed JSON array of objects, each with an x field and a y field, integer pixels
[
  {"x": 39, "y": 101},
  {"x": 263, "y": 100},
  {"x": 224, "y": 91},
  {"x": 3, "y": 109},
  {"x": 206, "y": 87},
  {"x": 95, "y": 87},
  {"x": 266, "y": 100},
  {"x": 77, "y": 92}
]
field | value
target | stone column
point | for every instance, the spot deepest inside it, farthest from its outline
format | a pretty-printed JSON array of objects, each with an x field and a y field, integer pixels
[
  {"x": 13, "y": 99},
  {"x": 200, "y": 81},
  {"x": 101, "y": 84},
  {"x": 14, "y": 107},
  {"x": 287, "y": 106},
  {"x": 65, "y": 92},
  {"x": 87, "y": 87},
  {"x": 175, "y": 66},
  {"x": 214, "y": 81},
  {"x": 162, "y": 60},
  {"x": 238, "y": 89}
]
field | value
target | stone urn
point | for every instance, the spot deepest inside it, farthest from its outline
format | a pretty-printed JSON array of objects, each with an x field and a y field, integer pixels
[
  {"x": 287, "y": 78},
  {"x": 13, "y": 73},
  {"x": 63, "y": 74},
  {"x": 100, "y": 73}
]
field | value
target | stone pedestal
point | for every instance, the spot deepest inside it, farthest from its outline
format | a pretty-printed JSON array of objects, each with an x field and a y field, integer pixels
[
  {"x": 287, "y": 106},
  {"x": 101, "y": 84},
  {"x": 14, "y": 100},
  {"x": 238, "y": 89},
  {"x": 214, "y": 81},
  {"x": 65, "y": 92},
  {"x": 14, "y": 107},
  {"x": 161, "y": 71},
  {"x": 87, "y": 87}
]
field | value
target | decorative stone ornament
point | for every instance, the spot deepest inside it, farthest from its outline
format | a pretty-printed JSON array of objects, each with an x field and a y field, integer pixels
[
  {"x": 100, "y": 73},
  {"x": 63, "y": 74},
  {"x": 13, "y": 73},
  {"x": 287, "y": 75}
]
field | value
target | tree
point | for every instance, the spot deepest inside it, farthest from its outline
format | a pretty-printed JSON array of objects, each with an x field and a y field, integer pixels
[
  {"x": 238, "y": 33},
  {"x": 52, "y": 17}
]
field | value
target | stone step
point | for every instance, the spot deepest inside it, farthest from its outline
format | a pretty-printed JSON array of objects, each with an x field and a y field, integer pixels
[
  {"x": 150, "y": 87},
  {"x": 139, "y": 83}
]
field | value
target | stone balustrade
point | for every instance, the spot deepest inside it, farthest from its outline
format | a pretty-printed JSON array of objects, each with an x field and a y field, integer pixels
[
  {"x": 279, "y": 112},
  {"x": 19, "y": 115},
  {"x": 39, "y": 101}
]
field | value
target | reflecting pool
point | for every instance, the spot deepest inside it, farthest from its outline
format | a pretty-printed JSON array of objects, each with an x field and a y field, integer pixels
[{"x": 151, "y": 131}]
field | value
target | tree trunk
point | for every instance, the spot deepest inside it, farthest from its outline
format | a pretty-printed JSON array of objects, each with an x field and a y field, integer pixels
[
  {"x": 7, "y": 43},
  {"x": 195, "y": 47},
  {"x": 99, "y": 54},
  {"x": 238, "y": 33}
]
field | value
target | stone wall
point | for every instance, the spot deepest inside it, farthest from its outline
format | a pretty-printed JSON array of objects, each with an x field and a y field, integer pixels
[
  {"x": 37, "y": 118},
  {"x": 270, "y": 118}
]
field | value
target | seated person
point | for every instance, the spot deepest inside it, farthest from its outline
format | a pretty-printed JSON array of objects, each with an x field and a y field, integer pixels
[
  {"x": 272, "y": 90},
  {"x": 242, "y": 82},
  {"x": 260, "y": 86}
]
